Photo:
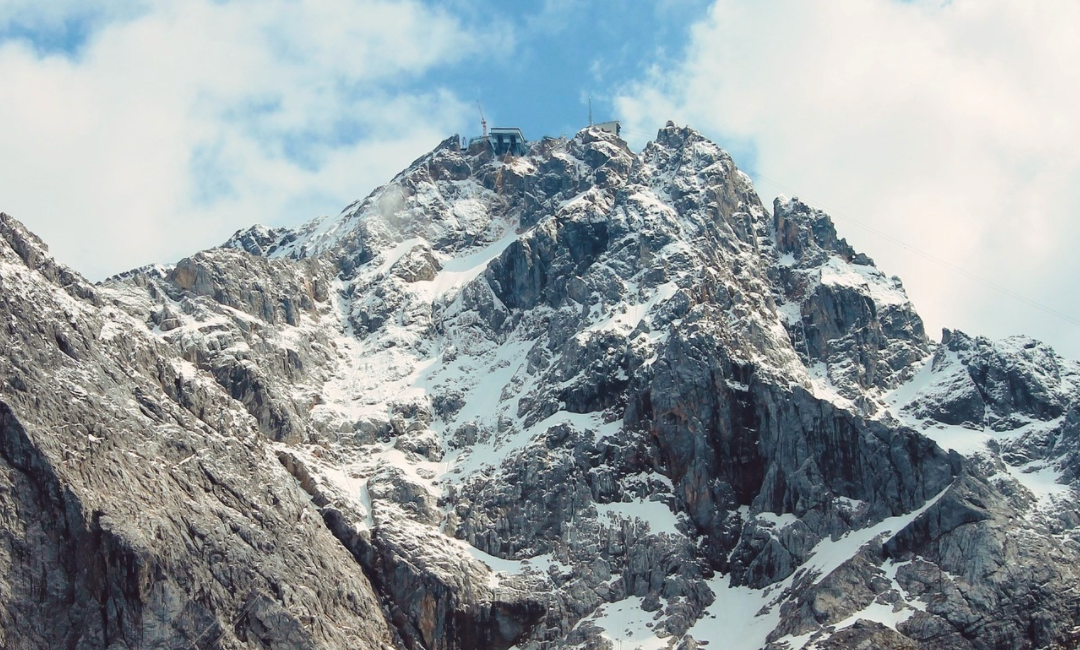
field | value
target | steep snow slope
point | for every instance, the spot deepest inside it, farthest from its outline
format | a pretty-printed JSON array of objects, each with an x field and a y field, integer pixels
[{"x": 589, "y": 396}]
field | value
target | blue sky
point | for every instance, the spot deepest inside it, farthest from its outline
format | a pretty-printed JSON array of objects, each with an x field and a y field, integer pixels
[
  {"x": 140, "y": 131},
  {"x": 562, "y": 53}
]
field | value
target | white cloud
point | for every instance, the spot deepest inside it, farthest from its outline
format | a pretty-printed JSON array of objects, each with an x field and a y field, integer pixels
[
  {"x": 950, "y": 126},
  {"x": 175, "y": 124}
]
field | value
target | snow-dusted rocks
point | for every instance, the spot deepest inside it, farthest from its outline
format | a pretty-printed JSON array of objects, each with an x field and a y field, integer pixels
[
  {"x": 139, "y": 505},
  {"x": 578, "y": 398},
  {"x": 856, "y": 329}
]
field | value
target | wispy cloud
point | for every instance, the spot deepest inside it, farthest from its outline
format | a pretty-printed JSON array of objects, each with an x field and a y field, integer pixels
[
  {"x": 949, "y": 126},
  {"x": 174, "y": 124},
  {"x": 553, "y": 16}
]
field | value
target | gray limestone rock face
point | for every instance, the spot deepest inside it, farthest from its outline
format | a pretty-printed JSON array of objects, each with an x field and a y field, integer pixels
[
  {"x": 841, "y": 310},
  {"x": 140, "y": 509},
  {"x": 574, "y": 398}
]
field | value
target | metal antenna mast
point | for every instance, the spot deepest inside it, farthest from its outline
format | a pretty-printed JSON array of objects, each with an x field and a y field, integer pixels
[
  {"x": 483, "y": 122},
  {"x": 590, "y": 110}
]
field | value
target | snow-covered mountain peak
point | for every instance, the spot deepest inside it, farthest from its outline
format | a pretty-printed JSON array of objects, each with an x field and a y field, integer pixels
[
  {"x": 488, "y": 320},
  {"x": 569, "y": 398},
  {"x": 448, "y": 199}
]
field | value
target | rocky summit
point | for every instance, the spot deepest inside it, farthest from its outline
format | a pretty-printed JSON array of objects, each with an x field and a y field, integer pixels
[{"x": 580, "y": 398}]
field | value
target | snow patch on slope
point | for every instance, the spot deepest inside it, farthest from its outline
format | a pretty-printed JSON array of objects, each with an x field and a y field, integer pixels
[
  {"x": 943, "y": 378},
  {"x": 744, "y": 617},
  {"x": 867, "y": 280}
]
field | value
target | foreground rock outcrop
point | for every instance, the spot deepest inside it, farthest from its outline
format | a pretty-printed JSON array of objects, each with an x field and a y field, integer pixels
[{"x": 140, "y": 505}]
